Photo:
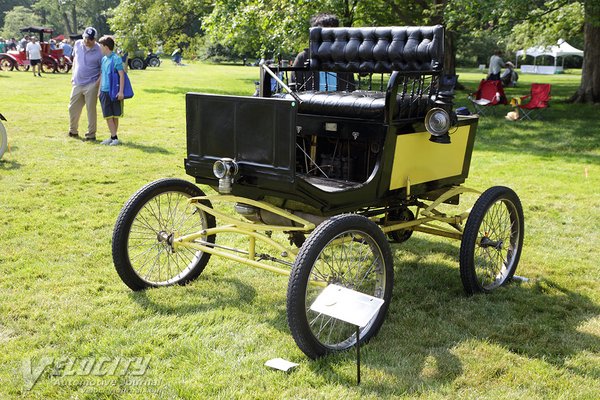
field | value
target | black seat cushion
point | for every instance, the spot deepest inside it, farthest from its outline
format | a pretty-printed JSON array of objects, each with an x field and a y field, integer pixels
[
  {"x": 384, "y": 49},
  {"x": 360, "y": 104}
]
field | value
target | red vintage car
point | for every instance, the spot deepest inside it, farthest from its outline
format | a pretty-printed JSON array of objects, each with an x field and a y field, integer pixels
[{"x": 53, "y": 60}]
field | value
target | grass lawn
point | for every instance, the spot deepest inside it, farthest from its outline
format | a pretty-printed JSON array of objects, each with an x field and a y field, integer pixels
[{"x": 62, "y": 303}]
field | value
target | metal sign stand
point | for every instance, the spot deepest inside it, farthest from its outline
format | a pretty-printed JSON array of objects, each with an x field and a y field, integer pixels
[{"x": 350, "y": 306}]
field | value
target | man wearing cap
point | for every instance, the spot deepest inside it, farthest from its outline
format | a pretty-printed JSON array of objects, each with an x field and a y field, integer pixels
[{"x": 87, "y": 61}]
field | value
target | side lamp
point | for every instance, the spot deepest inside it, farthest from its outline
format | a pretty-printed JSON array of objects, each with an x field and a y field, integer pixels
[
  {"x": 438, "y": 123},
  {"x": 225, "y": 169}
]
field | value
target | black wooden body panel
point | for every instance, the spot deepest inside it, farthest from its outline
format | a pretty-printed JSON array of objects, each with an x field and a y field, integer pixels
[
  {"x": 260, "y": 134},
  {"x": 257, "y": 132}
]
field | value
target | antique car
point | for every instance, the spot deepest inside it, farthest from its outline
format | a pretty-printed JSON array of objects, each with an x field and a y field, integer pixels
[
  {"x": 53, "y": 60},
  {"x": 316, "y": 176},
  {"x": 142, "y": 60}
]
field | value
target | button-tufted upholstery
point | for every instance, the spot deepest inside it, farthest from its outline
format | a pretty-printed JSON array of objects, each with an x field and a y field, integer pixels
[
  {"x": 384, "y": 49},
  {"x": 413, "y": 54},
  {"x": 360, "y": 105}
]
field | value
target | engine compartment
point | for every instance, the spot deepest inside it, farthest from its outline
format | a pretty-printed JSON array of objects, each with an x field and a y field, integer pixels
[{"x": 341, "y": 150}]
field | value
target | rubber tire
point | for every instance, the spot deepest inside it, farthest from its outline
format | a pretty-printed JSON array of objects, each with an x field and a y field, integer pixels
[
  {"x": 299, "y": 277},
  {"x": 154, "y": 62},
  {"x": 22, "y": 68},
  {"x": 126, "y": 218},
  {"x": 49, "y": 66},
  {"x": 471, "y": 238},
  {"x": 6, "y": 64},
  {"x": 3, "y": 140},
  {"x": 64, "y": 68},
  {"x": 136, "y": 63}
]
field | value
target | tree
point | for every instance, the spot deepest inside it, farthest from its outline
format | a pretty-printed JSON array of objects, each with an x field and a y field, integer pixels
[
  {"x": 541, "y": 22},
  {"x": 589, "y": 89},
  {"x": 144, "y": 22},
  {"x": 8, "y": 5},
  {"x": 72, "y": 16},
  {"x": 16, "y": 19},
  {"x": 261, "y": 27}
]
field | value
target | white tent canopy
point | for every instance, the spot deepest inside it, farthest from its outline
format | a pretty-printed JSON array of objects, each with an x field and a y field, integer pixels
[{"x": 561, "y": 49}]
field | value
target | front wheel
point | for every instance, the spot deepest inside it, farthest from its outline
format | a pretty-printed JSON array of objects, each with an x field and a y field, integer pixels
[
  {"x": 6, "y": 64},
  {"x": 142, "y": 244},
  {"x": 347, "y": 250},
  {"x": 22, "y": 67},
  {"x": 492, "y": 241}
]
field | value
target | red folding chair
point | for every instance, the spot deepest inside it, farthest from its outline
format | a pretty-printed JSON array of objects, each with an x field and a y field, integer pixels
[
  {"x": 488, "y": 95},
  {"x": 539, "y": 98}
]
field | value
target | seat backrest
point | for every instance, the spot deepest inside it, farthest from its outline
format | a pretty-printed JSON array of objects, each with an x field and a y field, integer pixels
[
  {"x": 540, "y": 95},
  {"x": 377, "y": 50},
  {"x": 491, "y": 91}
]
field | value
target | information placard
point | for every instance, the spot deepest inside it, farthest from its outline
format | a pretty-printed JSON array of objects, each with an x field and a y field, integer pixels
[{"x": 347, "y": 305}]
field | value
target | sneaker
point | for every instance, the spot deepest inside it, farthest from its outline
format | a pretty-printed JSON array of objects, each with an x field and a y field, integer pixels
[
  {"x": 90, "y": 138},
  {"x": 110, "y": 142},
  {"x": 73, "y": 135}
]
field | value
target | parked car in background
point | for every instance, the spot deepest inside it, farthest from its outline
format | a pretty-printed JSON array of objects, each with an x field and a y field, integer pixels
[
  {"x": 141, "y": 60},
  {"x": 53, "y": 60}
]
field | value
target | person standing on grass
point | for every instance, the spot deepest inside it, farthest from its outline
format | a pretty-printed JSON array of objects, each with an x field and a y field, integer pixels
[
  {"x": 87, "y": 60},
  {"x": 112, "y": 110},
  {"x": 496, "y": 65},
  {"x": 34, "y": 55}
]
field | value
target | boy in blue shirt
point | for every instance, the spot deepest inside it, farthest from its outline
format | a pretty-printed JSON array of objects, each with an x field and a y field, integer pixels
[{"x": 112, "y": 110}]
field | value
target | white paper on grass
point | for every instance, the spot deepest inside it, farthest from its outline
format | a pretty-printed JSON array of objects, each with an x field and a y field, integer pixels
[{"x": 281, "y": 364}]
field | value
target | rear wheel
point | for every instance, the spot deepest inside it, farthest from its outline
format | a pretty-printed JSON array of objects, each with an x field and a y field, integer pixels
[
  {"x": 64, "y": 66},
  {"x": 347, "y": 250},
  {"x": 49, "y": 66},
  {"x": 142, "y": 246},
  {"x": 22, "y": 67},
  {"x": 492, "y": 240},
  {"x": 154, "y": 62},
  {"x": 136, "y": 63}
]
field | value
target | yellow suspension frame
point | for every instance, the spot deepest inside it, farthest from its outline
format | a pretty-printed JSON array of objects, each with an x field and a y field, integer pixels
[
  {"x": 258, "y": 232},
  {"x": 254, "y": 231}
]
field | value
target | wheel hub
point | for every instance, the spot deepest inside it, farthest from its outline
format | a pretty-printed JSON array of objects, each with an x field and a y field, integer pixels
[
  {"x": 487, "y": 242},
  {"x": 165, "y": 237}
]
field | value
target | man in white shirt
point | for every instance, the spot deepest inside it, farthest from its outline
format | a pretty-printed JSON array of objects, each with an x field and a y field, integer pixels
[{"x": 34, "y": 55}]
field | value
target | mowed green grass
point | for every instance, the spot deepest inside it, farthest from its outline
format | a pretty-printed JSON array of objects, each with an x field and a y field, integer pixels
[{"x": 61, "y": 298}]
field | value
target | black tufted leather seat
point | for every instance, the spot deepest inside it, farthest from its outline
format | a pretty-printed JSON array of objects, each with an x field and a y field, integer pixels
[
  {"x": 358, "y": 104},
  {"x": 409, "y": 50}
]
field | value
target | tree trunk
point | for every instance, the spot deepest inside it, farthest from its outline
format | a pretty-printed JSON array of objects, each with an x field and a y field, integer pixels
[
  {"x": 74, "y": 19},
  {"x": 65, "y": 19},
  {"x": 449, "y": 53},
  {"x": 589, "y": 90},
  {"x": 450, "y": 57}
]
